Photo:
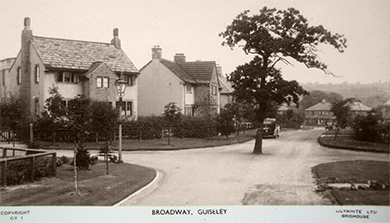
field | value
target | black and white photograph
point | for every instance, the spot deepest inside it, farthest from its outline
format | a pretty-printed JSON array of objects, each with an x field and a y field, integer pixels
[{"x": 194, "y": 111}]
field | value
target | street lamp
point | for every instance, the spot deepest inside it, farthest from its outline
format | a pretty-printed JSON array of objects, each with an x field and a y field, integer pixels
[{"x": 120, "y": 84}]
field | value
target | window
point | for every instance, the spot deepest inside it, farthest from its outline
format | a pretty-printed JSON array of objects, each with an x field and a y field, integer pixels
[
  {"x": 37, "y": 73},
  {"x": 102, "y": 82},
  {"x": 75, "y": 78},
  {"x": 99, "y": 82},
  {"x": 127, "y": 107},
  {"x": 19, "y": 75},
  {"x": 105, "y": 82},
  {"x": 130, "y": 79},
  {"x": 189, "y": 110},
  {"x": 214, "y": 90},
  {"x": 188, "y": 88},
  {"x": 67, "y": 77},
  {"x": 36, "y": 106}
]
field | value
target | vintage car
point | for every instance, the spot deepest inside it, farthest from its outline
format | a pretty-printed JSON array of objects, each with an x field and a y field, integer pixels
[{"x": 271, "y": 128}]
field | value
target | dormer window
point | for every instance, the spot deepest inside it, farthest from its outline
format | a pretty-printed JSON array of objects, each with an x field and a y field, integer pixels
[
  {"x": 67, "y": 77},
  {"x": 130, "y": 80}
]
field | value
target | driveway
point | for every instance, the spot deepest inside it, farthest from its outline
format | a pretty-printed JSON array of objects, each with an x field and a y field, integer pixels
[{"x": 232, "y": 175}]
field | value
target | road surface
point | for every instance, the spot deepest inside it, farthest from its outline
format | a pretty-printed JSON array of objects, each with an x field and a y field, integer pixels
[{"x": 232, "y": 175}]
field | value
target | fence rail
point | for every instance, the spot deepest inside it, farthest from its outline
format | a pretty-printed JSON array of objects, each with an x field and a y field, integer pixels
[{"x": 29, "y": 154}]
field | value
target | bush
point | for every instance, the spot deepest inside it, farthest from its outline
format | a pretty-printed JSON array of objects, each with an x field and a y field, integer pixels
[
  {"x": 18, "y": 171},
  {"x": 194, "y": 127},
  {"x": 83, "y": 159},
  {"x": 371, "y": 128},
  {"x": 63, "y": 160}
]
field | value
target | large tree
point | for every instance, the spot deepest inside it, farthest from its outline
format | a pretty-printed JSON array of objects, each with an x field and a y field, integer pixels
[{"x": 273, "y": 36}]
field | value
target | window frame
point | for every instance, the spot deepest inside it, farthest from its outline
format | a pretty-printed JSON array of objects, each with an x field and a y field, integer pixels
[
  {"x": 37, "y": 73},
  {"x": 19, "y": 75}
]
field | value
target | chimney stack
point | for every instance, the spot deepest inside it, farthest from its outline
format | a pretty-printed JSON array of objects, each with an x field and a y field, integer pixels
[
  {"x": 26, "y": 77},
  {"x": 116, "y": 41},
  {"x": 156, "y": 52},
  {"x": 180, "y": 58}
]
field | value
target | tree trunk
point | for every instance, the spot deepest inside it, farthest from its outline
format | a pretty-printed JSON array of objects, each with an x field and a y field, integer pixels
[
  {"x": 259, "y": 141},
  {"x": 75, "y": 170},
  {"x": 106, "y": 157}
]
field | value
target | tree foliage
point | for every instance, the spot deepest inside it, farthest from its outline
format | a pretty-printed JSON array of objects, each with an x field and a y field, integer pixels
[
  {"x": 315, "y": 97},
  {"x": 341, "y": 111},
  {"x": 274, "y": 36}
]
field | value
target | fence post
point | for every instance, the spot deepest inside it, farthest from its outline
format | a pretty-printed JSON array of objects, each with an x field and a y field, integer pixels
[
  {"x": 54, "y": 162},
  {"x": 32, "y": 167},
  {"x": 4, "y": 152},
  {"x": 4, "y": 173}
]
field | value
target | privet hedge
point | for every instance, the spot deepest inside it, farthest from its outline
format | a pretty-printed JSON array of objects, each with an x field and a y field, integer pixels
[{"x": 150, "y": 127}]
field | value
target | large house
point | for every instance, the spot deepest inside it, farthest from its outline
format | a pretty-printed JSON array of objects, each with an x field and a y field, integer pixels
[
  {"x": 185, "y": 83},
  {"x": 320, "y": 114},
  {"x": 75, "y": 67},
  {"x": 5, "y": 66}
]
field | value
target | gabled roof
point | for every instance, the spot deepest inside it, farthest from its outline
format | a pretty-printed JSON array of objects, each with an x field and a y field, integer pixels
[
  {"x": 79, "y": 55},
  {"x": 226, "y": 86},
  {"x": 178, "y": 70},
  {"x": 321, "y": 106},
  {"x": 200, "y": 71}
]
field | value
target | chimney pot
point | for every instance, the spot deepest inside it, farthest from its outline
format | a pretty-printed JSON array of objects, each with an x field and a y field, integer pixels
[
  {"x": 116, "y": 32},
  {"x": 27, "y": 23}
]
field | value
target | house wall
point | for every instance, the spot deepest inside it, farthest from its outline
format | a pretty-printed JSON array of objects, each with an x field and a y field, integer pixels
[
  {"x": 157, "y": 86},
  {"x": 13, "y": 87},
  {"x": 319, "y": 118},
  {"x": 5, "y": 76},
  {"x": 225, "y": 99}
]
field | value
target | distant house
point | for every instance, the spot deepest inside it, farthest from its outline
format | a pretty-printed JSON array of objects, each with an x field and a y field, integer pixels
[
  {"x": 75, "y": 67},
  {"x": 186, "y": 83},
  {"x": 5, "y": 80},
  {"x": 357, "y": 108},
  {"x": 320, "y": 114}
]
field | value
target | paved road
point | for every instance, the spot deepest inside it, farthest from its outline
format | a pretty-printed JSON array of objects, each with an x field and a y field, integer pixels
[{"x": 232, "y": 175}]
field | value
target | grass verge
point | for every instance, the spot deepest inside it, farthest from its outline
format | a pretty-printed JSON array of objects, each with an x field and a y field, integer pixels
[
  {"x": 349, "y": 143},
  {"x": 357, "y": 171},
  {"x": 96, "y": 188},
  {"x": 161, "y": 144}
]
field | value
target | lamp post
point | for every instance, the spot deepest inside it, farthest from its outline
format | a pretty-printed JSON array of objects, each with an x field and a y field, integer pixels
[{"x": 120, "y": 84}]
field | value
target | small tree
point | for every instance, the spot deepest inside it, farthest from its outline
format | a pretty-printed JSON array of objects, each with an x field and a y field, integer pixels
[
  {"x": 225, "y": 122},
  {"x": 79, "y": 122},
  {"x": 54, "y": 115},
  {"x": 207, "y": 109},
  {"x": 104, "y": 123},
  {"x": 171, "y": 115},
  {"x": 342, "y": 110}
]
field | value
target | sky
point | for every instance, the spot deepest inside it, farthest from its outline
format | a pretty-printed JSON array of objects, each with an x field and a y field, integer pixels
[{"x": 192, "y": 27}]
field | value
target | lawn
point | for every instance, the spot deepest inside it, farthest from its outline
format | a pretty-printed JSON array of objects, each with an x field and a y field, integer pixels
[
  {"x": 357, "y": 171},
  {"x": 96, "y": 188}
]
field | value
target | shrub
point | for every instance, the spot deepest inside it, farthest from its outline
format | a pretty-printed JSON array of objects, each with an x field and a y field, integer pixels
[
  {"x": 83, "y": 159},
  {"x": 370, "y": 128},
  {"x": 18, "y": 171}
]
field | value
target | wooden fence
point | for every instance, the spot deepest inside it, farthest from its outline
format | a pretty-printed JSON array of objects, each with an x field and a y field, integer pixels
[{"x": 29, "y": 154}]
